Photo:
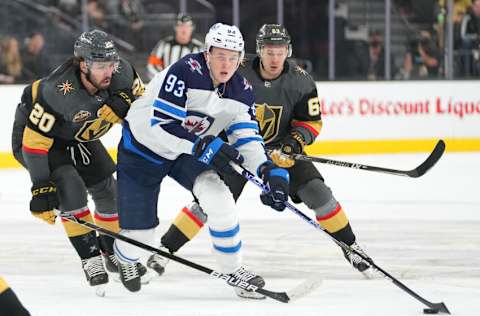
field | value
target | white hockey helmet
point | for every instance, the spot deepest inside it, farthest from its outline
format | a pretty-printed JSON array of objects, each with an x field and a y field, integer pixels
[{"x": 225, "y": 36}]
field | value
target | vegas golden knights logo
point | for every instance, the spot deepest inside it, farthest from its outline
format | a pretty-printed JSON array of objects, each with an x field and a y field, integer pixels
[
  {"x": 93, "y": 129},
  {"x": 268, "y": 117}
]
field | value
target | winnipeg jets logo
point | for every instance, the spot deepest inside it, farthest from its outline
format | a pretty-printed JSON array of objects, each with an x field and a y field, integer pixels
[
  {"x": 197, "y": 122},
  {"x": 194, "y": 65},
  {"x": 247, "y": 85}
]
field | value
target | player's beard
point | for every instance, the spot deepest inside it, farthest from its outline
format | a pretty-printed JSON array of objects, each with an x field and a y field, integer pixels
[{"x": 95, "y": 83}]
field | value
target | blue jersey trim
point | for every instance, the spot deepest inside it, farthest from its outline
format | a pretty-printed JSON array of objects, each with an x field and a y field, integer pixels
[
  {"x": 170, "y": 110},
  {"x": 246, "y": 140},
  {"x": 243, "y": 125},
  {"x": 225, "y": 234},
  {"x": 233, "y": 249}
]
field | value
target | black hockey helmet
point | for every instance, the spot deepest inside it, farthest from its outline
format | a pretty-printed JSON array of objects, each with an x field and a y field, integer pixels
[
  {"x": 95, "y": 45},
  {"x": 273, "y": 34}
]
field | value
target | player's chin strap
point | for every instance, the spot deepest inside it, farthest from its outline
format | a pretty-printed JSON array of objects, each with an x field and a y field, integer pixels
[
  {"x": 440, "y": 307},
  {"x": 302, "y": 289}
]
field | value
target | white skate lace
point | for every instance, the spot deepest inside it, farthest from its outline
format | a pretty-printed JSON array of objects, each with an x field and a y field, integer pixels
[
  {"x": 243, "y": 274},
  {"x": 93, "y": 266},
  {"x": 129, "y": 271},
  {"x": 354, "y": 258},
  {"x": 113, "y": 259}
]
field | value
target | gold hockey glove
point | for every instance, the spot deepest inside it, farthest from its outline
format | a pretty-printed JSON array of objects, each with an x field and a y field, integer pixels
[
  {"x": 281, "y": 159},
  {"x": 116, "y": 107},
  {"x": 292, "y": 144}
]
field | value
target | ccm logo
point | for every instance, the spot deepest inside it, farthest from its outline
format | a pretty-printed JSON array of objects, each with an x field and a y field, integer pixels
[{"x": 207, "y": 156}]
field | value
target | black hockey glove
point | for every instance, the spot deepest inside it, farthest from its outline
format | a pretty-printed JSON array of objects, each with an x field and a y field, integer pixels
[
  {"x": 214, "y": 152},
  {"x": 116, "y": 106},
  {"x": 44, "y": 201},
  {"x": 292, "y": 144},
  {"x": 277, "y": 180}
]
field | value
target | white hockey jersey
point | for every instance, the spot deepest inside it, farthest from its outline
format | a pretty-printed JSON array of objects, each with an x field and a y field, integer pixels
[{"x": 182, "y": 97}]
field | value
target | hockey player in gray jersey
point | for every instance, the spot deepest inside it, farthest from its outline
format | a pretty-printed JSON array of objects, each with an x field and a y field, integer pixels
[
  {"x": 55, "y": 136},
  {"x": 289, "y": 117},
  {"x": 172, "y": 130}
]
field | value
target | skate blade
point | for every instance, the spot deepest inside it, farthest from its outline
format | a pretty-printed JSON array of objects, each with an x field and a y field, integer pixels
[
  {"x": 370, "y": 274},
  {"x": 304, "y": 288},
  {"x": 249, "y": 295},
  {"x": 144, "y": 279}
]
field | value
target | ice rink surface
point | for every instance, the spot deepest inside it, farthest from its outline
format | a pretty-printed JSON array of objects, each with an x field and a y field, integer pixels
[{"x": 425, "y": 232}]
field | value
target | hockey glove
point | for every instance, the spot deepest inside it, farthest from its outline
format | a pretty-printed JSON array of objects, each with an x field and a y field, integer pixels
[
  {"x": 277, "y": 179},
  {"x": 44, "y": 201},
  {"x": 292, "y": 144},
  {"x": 214, "y": 152},
  {"x": 116, "y": 107}
]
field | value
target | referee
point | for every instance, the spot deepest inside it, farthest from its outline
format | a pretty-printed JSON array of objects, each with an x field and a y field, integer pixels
[{"x": 172, "y": 48}]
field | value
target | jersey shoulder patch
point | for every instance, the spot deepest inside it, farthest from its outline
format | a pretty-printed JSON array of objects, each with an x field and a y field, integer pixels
[
  {"x": 240, "y": 89},
  {"x": 59, "y": 87}
]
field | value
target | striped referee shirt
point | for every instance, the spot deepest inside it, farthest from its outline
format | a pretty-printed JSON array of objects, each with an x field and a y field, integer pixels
[{"x": 168, "y": 51}]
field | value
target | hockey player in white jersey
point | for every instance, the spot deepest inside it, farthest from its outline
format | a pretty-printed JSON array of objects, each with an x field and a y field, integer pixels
[{"x": 172, "y": 130}]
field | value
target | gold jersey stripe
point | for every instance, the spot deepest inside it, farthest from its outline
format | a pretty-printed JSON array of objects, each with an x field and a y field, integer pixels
[
  {"x": 35, "y": 85},
  {"x": 35, "y": 140}
]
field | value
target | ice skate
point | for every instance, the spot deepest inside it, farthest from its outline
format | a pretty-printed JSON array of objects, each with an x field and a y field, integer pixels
[
  {"x": 242, "y": 275},
  {"x": 157, "y": 263},
  {"x": 111, "y": 263},
  {"x": 130, "y": 276},
  {"x": 95, "y": 274},
  {"x": 357, "y": 262}
]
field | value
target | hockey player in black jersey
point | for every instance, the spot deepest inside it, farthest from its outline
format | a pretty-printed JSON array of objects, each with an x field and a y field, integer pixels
[
  {"x": 56, "y": 134},
  {"x": 289, "y": 116},
  {"x": 9, "y": 303}
]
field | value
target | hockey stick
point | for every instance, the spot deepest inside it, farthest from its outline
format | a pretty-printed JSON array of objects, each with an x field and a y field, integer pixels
[
  {"x": 419, "y": 171},
  {"x": 438, "y": 307},
  {"x": 283, "y": 297}
]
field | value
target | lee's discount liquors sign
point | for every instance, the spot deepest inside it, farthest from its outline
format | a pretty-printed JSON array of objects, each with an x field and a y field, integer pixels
[{"x": 415, "y": 109}]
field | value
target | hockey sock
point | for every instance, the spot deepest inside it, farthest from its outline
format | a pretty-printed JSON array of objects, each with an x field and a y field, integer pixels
[
  {"x": 186, "y": 225},
  {"x": 83, "y": 239},
  {"x": 110, "y": 222},
  {"x": 336, "y": 223}
]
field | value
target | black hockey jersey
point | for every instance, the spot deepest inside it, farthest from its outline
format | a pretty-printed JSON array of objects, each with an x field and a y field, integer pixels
[
  {"x": 288, "y": 102},
  {"x": 59, "y": 109}
]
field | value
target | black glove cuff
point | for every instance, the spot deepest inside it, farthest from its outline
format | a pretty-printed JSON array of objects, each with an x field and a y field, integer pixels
[
  {"x": 120, "y": 102},
  {"x": 293, "y": 144}
]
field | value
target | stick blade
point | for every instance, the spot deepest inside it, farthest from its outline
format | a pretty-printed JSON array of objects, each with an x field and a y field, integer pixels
[
  {"x": 434, "y": 157},
  {"x": 301, "y": 290},
  {"x": 440, "y": 307},
  {"x": 304, "y": 288}
]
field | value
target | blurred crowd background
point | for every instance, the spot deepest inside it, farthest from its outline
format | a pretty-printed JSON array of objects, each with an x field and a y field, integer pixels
[{"x": 425, "y": 40}]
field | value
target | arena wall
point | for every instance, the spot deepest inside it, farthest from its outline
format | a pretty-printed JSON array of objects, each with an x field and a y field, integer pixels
[{"x": 358, "y": 117}]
